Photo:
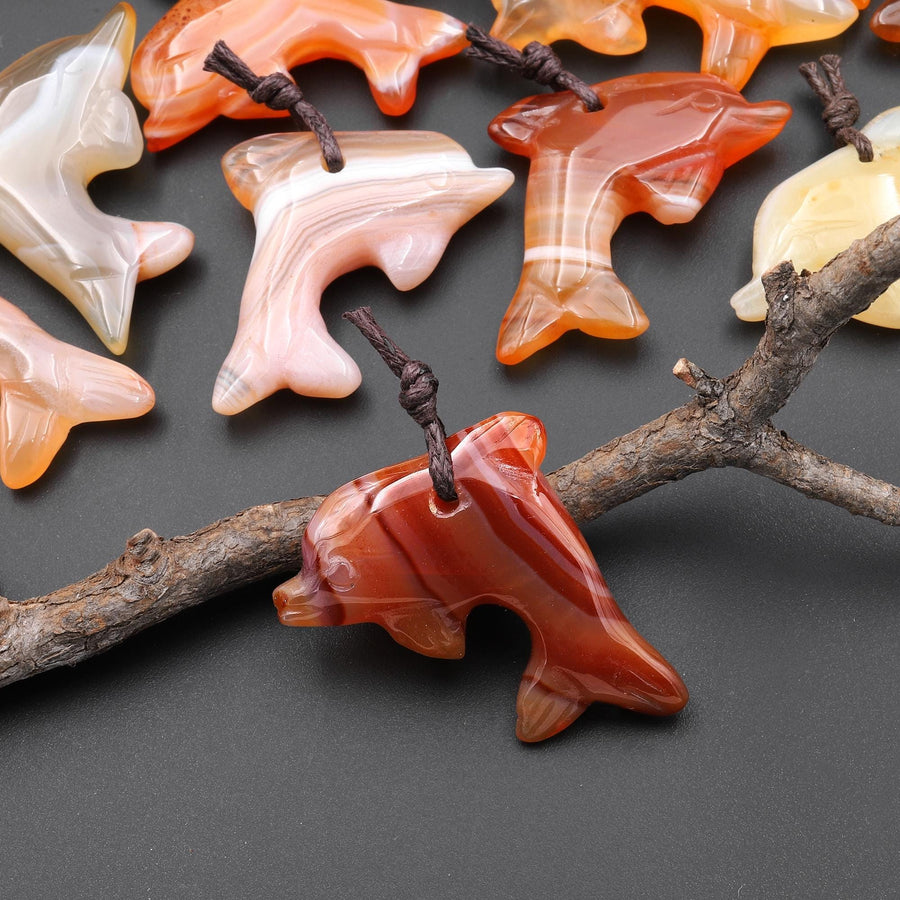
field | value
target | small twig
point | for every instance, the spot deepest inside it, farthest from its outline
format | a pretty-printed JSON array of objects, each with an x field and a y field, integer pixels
[
  {"x": 841, "y": 106},
  {"x": 536, "y": 62},
  {"x": 418, "y": 396},
  {"x": 726, "y": 423},
  {"x": 278, "y": 92}
]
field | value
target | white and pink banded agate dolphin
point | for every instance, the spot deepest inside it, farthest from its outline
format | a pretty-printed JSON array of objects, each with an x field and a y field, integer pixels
[
  {"x": 46, "y": 387},
  {"x": 64, "y": 120},
  {"x": 395, "y": 205}
]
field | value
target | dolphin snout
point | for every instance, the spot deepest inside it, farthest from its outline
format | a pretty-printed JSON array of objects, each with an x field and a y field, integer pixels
[
  {"x": 659, "y": 692},
  {"x": 300, "y": 601}
]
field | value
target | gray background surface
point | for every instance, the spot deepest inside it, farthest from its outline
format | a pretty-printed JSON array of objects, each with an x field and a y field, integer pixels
[{"x": 223, "y": 755}]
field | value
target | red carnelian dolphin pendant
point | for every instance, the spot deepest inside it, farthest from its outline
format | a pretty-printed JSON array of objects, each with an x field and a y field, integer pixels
[
  {"x": 385, "y": 549},
  {"x": 660, "y": 146}
]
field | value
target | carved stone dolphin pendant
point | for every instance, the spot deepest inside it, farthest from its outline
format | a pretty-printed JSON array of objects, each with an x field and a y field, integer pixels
[
  {"x": 821, "y": 210},
  {"x": 388, "y": 41},
  {"x": 660, "y": 146},
  {"x": 395, "y": 205},
  {"x": 385, "y": 549},
  {"x": 736, "y": 33},
  {"x": 63, "y": 120},
  {"x": 46, "y": 387}
]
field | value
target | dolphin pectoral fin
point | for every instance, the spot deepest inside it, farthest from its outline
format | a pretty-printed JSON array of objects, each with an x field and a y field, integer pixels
[
  {"x": 408, "y": 257},
  {"x": 677, "y": 190},
  {"x": 599, "y": 305},
  {"x": 544, "y": 712},
  {"x": 161, "y": 246},
  {"x": 749, "y": 303},
  {"x": 30, "y": 436},
  {"x": 426, "y": 627},
  {"x": 392, "y": 75},
  {"x": 732, "y": 50}
]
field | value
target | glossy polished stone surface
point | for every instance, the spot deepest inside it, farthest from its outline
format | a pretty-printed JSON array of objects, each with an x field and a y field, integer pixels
[
  {"x": 885, "y": 21},
  {"x": 659, "y": 146},
  {"x": 736, "y": 35},
  {"x": 385, "y": 549},
  {"x": 46, "y": 387},
  {"x": 64, "y": 120},
  {"x": 388, "y": 41},
  {"x": 395, "y": 205},
  {"x": 821, "y": 210}
]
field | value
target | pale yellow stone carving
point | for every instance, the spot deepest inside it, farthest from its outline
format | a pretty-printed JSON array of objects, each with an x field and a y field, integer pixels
[{"x": 821, "y": 210}]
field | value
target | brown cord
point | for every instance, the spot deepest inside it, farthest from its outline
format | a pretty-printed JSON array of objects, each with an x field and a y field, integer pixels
[
  {"x": 536, "y": 62},
  {"x": 841, "y": 106},
  {"x": 418, "y": 396},
  {"x": 277, "y": 91}
]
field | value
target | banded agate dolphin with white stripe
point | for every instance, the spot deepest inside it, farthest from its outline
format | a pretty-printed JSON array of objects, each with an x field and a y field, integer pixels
[
  {"x": 46, "y": 387},
  {"x": 63, "y": 120},
  {"x": 660, "y": 145},
  {"x": 388, "y": 41},
  {"x": 395, "y": 205}
]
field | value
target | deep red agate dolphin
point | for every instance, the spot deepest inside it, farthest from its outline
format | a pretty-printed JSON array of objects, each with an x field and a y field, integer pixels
[
  {"x": 660, "y": 146},
  {"x": 385, "y": 549}
]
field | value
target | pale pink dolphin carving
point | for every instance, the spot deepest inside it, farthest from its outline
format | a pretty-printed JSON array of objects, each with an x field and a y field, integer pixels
[
  {"x": 63, "y": 120},
  {"x": 46, "y": 387},
  {"x": 388, "y": 41},
  {"x": 395, "y": 205}
]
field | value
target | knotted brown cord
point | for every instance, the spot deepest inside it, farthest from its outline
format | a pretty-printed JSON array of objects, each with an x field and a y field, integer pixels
[
  {"x": 418, "y": 396},
  {"x": 841, "y": 106},
  {"x": 536, "y": 62},
  {"x": 278, "y": 92}
]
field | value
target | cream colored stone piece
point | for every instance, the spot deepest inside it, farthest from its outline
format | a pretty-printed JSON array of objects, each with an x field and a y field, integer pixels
[
  {"x": 46, "y": 387},
  {"x": 395, "y": 205},
  {"x": 821, "y": 210},
  {"x": 63, "y": 120}
]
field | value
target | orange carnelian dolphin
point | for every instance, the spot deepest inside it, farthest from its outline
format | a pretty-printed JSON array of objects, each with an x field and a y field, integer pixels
[
  {"x": 385, "y": 549},
  {"x": 388, "y": 41},
  {"x": 736, "y": 33},
  {"x": 659, "y": 146}
]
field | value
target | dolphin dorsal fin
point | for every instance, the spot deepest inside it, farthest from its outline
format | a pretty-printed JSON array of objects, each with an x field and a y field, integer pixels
[{"x": 499, "y": 435}]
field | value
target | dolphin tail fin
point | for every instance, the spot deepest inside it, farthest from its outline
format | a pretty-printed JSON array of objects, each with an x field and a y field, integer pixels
[
  {"x": 309, "y": 362},
  {"x": 733, "y": 50},
  {"x": 36, "y": 417},
  {"x": 599, "y": 305},
  {"x": 543, "y": 711}
]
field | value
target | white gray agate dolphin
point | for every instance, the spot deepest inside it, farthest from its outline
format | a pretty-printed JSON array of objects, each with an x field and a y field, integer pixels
[{"x": 63, "y": 120}]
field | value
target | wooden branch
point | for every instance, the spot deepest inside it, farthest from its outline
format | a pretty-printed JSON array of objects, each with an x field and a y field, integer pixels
[{"x": 726, "y": 423}]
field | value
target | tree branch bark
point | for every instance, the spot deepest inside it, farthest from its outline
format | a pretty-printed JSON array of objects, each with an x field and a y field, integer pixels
[{"x": 726, "y": 423}]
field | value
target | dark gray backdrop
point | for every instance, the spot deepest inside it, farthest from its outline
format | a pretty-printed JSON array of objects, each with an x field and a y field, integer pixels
[{"x": 223, "y": 755}]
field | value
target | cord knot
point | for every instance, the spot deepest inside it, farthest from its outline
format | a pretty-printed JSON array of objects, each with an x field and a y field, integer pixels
[
  {"x": 541, "y": 64},
  {"x": 418, "y": 392},
  {"x": 276, "y": 91},
  {"x": 841, "y": 108}
]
